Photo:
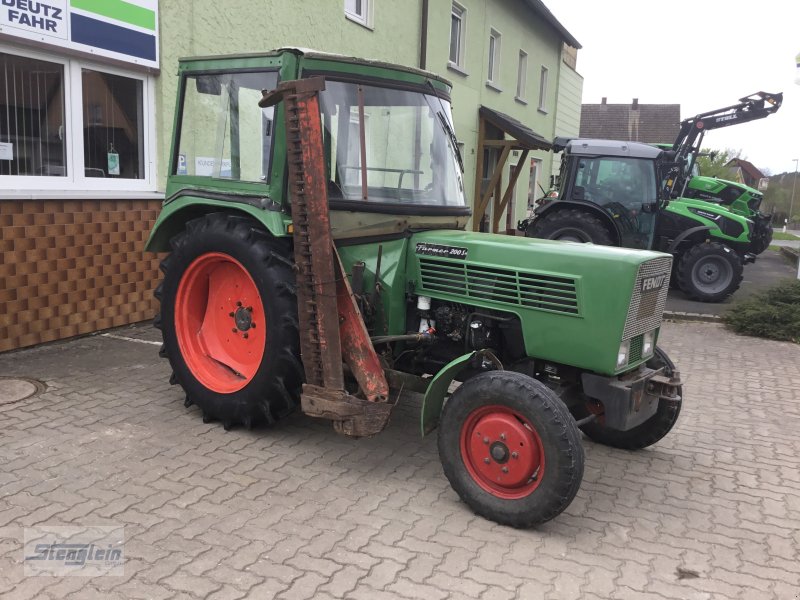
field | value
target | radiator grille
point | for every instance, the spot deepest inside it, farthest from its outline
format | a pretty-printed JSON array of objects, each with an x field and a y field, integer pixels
[
  {"x": 635, "y": 352},
  {"x": 646, "y": 308},
  {"x": 503, "y": 286}
]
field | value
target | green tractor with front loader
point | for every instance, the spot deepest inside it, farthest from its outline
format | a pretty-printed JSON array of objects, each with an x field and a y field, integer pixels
[
  {"x": 645, "y": 196},
  {"x": 317, "y": 260}
]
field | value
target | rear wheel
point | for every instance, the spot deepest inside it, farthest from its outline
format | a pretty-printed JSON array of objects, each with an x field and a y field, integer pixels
[
  {"x": 709, "y": 272},
  {"x": 652, "y": 430},
  {"x": 510, "y": 449},
  {"x": 229, "y": 320},
  {"x": 571, "y": 225}
]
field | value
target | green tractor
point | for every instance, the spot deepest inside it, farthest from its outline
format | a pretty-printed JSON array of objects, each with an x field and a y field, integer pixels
[
  {"x": 740, "y": 199},
  {"x": 318, "y": 260},
  {"x": 642, "y": 196},
  {"x": 736, "y": 197}
]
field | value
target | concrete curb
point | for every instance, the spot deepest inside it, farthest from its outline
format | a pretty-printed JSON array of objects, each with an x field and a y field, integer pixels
[
  {"x": 684, "y": 316},
  {"x": 790, "y": 252}
]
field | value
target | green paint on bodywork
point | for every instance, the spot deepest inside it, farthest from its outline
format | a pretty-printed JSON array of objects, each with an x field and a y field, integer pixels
[
  {"x": 604, "y": 279},
  {"x": 437, "y": 391},
  {"x": 175, "y": 214},
  {"x": 713, "y": 185},
  {"x": 681, "y": 206},
  {"x": 390, "y": 317}
]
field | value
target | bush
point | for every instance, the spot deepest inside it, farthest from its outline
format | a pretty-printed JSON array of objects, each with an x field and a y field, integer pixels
[{"x": 773, "y": 314}]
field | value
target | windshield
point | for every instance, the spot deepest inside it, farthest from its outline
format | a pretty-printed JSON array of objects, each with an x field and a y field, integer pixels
[
  {"x": 629, "y": 182},
  {"x": 388, "y": 145},
  {"x": 223, "y": 133}
]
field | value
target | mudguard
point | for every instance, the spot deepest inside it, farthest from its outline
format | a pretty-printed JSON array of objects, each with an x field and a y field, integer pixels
[{"x": 437, "y": 389}]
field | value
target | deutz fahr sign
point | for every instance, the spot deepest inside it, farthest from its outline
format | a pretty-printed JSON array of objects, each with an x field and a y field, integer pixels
[{"x": 34, "y": 16}]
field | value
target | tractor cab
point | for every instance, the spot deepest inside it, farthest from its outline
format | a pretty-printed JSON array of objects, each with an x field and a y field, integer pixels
[{"x": 621, "y": 179}]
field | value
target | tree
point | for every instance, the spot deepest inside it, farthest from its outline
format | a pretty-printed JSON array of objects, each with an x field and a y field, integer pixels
[{"x": 712, "y": 162}]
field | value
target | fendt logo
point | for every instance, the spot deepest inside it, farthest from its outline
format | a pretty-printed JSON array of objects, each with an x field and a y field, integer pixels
[{"x": 653, "y": 283}]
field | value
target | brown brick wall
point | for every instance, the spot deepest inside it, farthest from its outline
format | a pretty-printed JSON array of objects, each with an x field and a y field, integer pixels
[{"x": 69, "y": 267}]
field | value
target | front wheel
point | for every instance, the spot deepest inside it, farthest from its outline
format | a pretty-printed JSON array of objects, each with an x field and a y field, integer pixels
[
  {"x": 709, "y": 272},
  {"x": 652, "y": 430},
  {"x": 510, "y": 449}
]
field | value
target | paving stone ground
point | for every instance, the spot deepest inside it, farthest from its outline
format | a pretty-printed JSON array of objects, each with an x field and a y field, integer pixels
[{"x": 295, "y": 511}]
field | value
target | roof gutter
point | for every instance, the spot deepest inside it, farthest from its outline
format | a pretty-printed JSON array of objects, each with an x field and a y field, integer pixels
[{"x": 540, "y": 9}]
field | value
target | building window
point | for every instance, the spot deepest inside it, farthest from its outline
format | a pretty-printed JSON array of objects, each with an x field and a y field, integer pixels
[
  {"x": 359, "y": 11},
  {"x": 458, "y": 20},
  {"x": 493, "y": 73},
  {"x": 68, "y": 124},
  {"x": 543, "y": 90},
  {"x": 522, "y": 75},
  {"x": 32, "y": 123},
  {"x": 113, "y": 132}
]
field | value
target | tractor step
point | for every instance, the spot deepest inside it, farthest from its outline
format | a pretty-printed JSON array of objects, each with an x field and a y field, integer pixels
[{"x": 351, "y": 416}]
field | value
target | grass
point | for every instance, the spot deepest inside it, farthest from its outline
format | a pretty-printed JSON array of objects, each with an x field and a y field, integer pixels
[
  {"x": 774, "y": 314},
  {"x": 779, "y": 235}
]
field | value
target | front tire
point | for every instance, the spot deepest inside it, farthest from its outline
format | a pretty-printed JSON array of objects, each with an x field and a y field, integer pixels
[
  {"x": 571, "y": 225},
  {"x": 510, "y": 449},
  {"x": 710, "y": 272},
  {"x": 229, "y": 320},
  {"x": 652, "y": 430}
]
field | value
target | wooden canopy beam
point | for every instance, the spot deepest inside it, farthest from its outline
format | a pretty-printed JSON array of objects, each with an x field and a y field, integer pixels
[{"x": 512, "y": 182}]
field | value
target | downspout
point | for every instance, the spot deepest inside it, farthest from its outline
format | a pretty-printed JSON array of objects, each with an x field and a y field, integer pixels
[{"x": 423, "y": 36}]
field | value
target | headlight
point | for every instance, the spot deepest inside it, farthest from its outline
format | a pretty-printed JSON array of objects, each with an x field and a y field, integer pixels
[
  {"x": 622, "y": 355},
  {"x": 648, "y": 343}
]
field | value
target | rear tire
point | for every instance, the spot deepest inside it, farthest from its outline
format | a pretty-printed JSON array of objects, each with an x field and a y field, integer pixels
[
  {"x": 517, "y": 424},
  {"x": 652, "y": 430},
  {"x": 571, "y": 225},
  {"x": 229, "y": 320},
  {"x": 710, "y": 272}
]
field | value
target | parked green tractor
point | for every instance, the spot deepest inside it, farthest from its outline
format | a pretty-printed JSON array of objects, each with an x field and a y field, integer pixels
[
  {"x": 642, "y": 196},
  {"x": 740, "y": 199},
  {"x": 318, "y": 260}
]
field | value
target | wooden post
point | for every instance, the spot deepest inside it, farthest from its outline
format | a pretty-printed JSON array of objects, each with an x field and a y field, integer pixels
[
  {"x": 511, "y": 184},
  {"x": 477, "y": 214},
  {"x": 480, "y": 208}
]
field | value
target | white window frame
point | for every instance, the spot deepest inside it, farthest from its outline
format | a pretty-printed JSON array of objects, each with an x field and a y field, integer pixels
[
  {"x": 364, "y": 18},
  {"x": 522, "y": 77},
  {"x": 543, "y": 89},
  {"x": 494, "y": 52},
  {"x": 460, "y": 12},
  {"x": 75, "y": 180}
]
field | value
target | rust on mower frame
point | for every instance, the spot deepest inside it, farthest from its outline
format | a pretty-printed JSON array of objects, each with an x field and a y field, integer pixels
[{"x": 332, "y": 328}]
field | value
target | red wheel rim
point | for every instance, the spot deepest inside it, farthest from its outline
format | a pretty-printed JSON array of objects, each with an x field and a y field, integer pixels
[
  {"x": 502, "y": 451},
  {"x": 220, "y": 322}
]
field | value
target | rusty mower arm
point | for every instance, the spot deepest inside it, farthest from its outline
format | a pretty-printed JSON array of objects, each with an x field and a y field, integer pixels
[{"x": 332, "y": 329}]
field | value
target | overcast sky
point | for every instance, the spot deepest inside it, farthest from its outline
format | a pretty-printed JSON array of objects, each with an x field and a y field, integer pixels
[{"x": 701, "y": 54}]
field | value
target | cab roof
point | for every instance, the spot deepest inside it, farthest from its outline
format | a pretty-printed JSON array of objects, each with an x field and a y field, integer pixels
[
  {"x": 322, "y": 55},
  {"x": 593, "y": 147}
]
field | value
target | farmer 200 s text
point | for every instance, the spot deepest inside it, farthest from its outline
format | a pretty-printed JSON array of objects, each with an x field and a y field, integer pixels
[{"x": 318, "y": 260}]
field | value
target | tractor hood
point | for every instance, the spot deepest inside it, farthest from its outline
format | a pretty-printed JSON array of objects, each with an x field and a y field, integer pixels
[{"x": 559, "y": 290}]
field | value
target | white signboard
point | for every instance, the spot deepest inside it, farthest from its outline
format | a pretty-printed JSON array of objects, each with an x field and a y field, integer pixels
[
  {"x": 124, "y": 30},
  {"x": 6, "y": 151},
  {"x": 39, "y": 18},
  {"x": 763, "y": 184},
  {"x": 204, "y": 166}
]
